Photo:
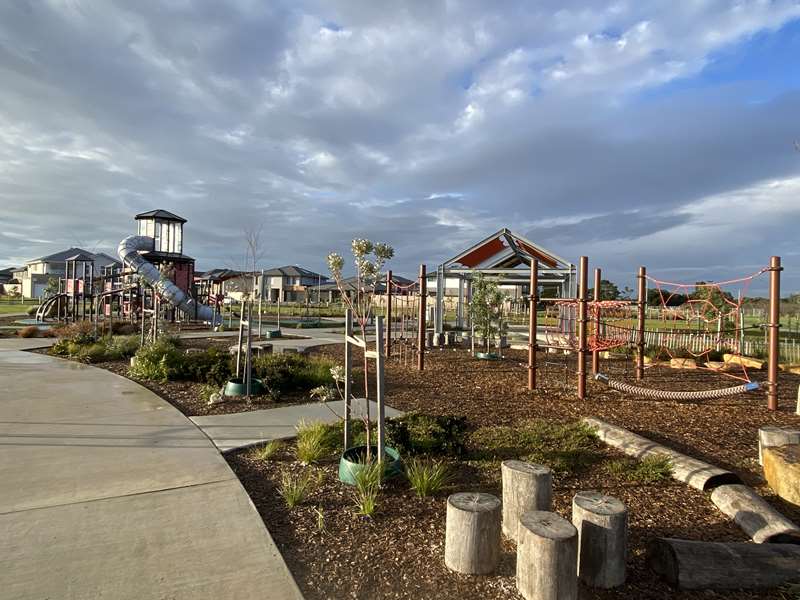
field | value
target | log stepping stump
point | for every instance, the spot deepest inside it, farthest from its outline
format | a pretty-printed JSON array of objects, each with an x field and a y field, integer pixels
[
  {"x": 754, "y": 515},
  {"x": 782, "y": 471},
  {"x": 602, "y": 524},
  {"x": 526, "y": 487},
  {"x": 771, "y": 436},
  {"x": 547, "y": 557},
  {"x": 472, "y": 533}
]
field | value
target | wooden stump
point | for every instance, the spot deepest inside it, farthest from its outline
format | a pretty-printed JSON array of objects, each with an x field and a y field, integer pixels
[
  {"x": 723, "y": 566},
  {"x": 547, "y": 557},
  {"x": 770, "y": 436},
  {"x": 472, "y": 537},
  {"x": 526, "y": 487},
  {"x": 754, "y": 515},
  {"x": 602, "y": 524}
]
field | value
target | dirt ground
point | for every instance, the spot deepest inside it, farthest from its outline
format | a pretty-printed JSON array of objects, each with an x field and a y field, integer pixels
[{"x": 398, "y": 553}]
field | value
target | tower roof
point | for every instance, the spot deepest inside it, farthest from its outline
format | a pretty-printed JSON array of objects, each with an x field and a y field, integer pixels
[{"x": 160, "y": 213}]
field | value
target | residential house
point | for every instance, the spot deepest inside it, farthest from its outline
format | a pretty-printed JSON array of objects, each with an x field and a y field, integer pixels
[
  {"x": 9, "y": 285},
  {"x": 289, "y": 284},
  {"x": 37, "y": 272}
]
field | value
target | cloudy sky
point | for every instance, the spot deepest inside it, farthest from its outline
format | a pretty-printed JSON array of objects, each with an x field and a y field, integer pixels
[{"x": 636, "y": 132}]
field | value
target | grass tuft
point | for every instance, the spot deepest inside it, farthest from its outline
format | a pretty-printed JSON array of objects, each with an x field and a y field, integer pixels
[
  {"x": 427, "y": 477},
  {"x": 368, "y": 484},
  {"x": 267, "y": 451},
  {"x": 650, "y": 469},
  {"x": 314, "y": 442},
  {"x": 294, "y": 489}
]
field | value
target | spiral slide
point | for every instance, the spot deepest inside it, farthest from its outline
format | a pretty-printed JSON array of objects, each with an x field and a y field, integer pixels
[{"x": 128, "y": 252}]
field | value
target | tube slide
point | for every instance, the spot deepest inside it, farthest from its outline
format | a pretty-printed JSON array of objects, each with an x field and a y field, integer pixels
[{"x": 128, "y": 252}]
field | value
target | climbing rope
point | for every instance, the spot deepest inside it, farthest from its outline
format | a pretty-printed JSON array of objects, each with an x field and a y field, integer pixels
[{"x": 675, "y": 395}]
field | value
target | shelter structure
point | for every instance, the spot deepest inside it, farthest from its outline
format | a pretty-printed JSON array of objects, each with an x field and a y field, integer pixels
[{"x": 505, "y": 256}]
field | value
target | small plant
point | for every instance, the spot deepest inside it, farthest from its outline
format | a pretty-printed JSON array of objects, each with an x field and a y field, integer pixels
[
  {"x": 418, "y": 433},
  {"x": 313, "y": 442},
  {"x": 650, "y": 469},
  {"x": 28, "y": 332},
  {"x": 294, "y": 489},
  {"x": 486, "y": 309},
  {"x": 268, "y": 450},
  {"x": 368, "y": 483},
  {"x": 320, "y": 519},
  {"x": 427, "y": 477}
]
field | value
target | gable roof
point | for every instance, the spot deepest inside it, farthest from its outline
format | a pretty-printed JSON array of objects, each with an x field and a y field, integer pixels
[
  {"x": 60, "y": 256},
  {"x": 505, "y": 250},
  {"x": 160, "y": 213}
]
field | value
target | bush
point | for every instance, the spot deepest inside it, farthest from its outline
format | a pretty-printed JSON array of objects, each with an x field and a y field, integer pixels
[
  {"x": 104, "y": 349},
  {"x": 650, "y": 469},
  {"x": 294, "y": 489},
  {"x": 28, "y": 332},
  {"x": 564, "y": 447},
  {"x": 368, "y": 482},
  {"x": 80, "y": 332},
  {"x": 283, "y": 373},
  {"x": 417, "y": 433},
  {"x": 427, "y": 477},
  {"x": 162, "y": 360},
  {"x": 156, "y": 360},
  {"x": 32, "y": 310}
]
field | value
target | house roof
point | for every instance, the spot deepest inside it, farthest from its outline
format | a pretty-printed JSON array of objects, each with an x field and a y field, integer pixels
[
  {"x": 504, "y": 250},
  {"x": 219, "y": 274},
  {"x": 160, "y": 213},
  {"x": 350, "y": 285},
  {"x": 60, "y": 256},
  {"x": 81, "y": 257},
  {"x": 8, "y": 270},
  {"x": 292, "y": 271}
]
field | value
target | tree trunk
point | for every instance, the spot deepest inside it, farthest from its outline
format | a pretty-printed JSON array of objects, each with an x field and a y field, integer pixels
[
  {"x": 547, "y": 557},
  {"x": 526, "y": 487},
  {"x": 602, "y": 524},
  {"x": 723, "y": 566},
  {"x": 472, "y": 538},
  {"x": 696, "y": 473},
  {"x": 752, "y": 513}
]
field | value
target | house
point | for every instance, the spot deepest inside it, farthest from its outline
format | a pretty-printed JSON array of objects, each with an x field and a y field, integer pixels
[
  {"x": 289, "y": 284},
  {"x": 9, "y": 284},
  {"x": 36, "y": 274},
  {"x": 330, "y": 292},
  {"x": 221, "y": 282}
]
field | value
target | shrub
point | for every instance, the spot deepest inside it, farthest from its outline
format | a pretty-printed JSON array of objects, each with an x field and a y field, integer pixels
[
  {"x": 267, "y": 451},
  {"x": 650, "y": 469},
  {"x": 283, "y": 373},
  {"x": 28, "y": 332},
  {"x": 314, "y": 442},
  {"x": 211, "y": 366},
  {"x": 417, "y": 433},
  {"x": 79, "y": 332},
  {"x": 121, "y": 346},
  {"x": 154, "y": 361},
  {"x": 564, "y": 447},
  {"x": 368, "y": 482},
  {"x": 427, "y": 477},
  {"x": 32, "y": 310},
  {"x": 294, "y": 489}
]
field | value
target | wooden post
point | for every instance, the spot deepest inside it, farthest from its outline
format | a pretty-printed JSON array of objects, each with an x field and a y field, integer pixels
[
  {"x": 596, "y": 352},
  {"x": 379, "y": 386},
  {"x": 248, "y": 369},
  {"x": 423, "y": 293},
  {"x": 348, "y": 376},
  {"x": 526, "y": 487},
  {"x": 547, "y": 557},
  {"x": 472, "y": 533},
  {"x": 642, "y": 308},
  {"x": 532, "y": 325},
  {"x": 583, "y": 276},
  {"x": 388, "y": 314},
  {"x": 774, "y": 330},
  {"x": 689, "y": 565},
  {"x": 602, "y": 524}
]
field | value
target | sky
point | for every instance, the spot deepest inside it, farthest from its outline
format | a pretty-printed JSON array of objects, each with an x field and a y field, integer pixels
[{"x": 634, "y": 132}]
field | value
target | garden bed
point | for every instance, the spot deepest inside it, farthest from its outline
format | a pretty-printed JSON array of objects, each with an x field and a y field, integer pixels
[{"x": 398, "y": 552}]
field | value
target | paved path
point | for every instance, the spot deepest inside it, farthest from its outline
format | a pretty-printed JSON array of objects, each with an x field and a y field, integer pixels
[
  {"x": 239, "y": 430},
  {"x": 109, "y": 492}
]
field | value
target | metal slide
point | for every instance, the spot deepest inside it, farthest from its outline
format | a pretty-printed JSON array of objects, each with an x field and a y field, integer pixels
[{"x": 128, "y": 252}]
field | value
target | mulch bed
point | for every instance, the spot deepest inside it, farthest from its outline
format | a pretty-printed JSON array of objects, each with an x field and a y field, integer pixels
[{"x": 399, "y": 552}]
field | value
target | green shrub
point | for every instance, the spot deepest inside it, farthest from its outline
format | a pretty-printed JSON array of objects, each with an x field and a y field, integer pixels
[
  {"x": 155, "y": 361},
  {"x": 427, "y": 477},
  {"x": 32, "y": 310},
  {"x": 650, "y": 469},
  {"x": 267, "y": 451},
  {"x": 417, "y": 433},
  {"x": 79, "y": 332},
  {"x": 314, "y": 442},
  {"x": 367, "y": 485},
  {"x": 121, "y": 346},
  {"x": 294, "y": 489},
  {"x": 283, "y": 373},
  {"x": 162, "y": 360},
  {"x": 564, "y": 447}
]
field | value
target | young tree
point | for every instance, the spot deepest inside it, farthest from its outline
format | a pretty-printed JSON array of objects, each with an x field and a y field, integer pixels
[{"x": 486, "y": 308}]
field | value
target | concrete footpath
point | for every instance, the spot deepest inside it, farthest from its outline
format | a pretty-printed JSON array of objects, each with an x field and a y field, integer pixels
[
  {"x": 109, "y": 492},
  {"x": 240, "y": 430}
]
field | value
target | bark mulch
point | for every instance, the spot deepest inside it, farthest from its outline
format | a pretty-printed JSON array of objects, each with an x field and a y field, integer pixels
[{"x": 398, "y": 553}]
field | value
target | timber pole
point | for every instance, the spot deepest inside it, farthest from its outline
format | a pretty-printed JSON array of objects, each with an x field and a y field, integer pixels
[
  {"x": 595, "y": 351},
  {"x": 388, "y": 352},
  {"x": 775, "y": 269},
  {"x": 583, "y": 279},
  {"x": 423, "y": 294},
  {"x": 641, "y": 305},
  {"x": 532, "y": 325}
]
